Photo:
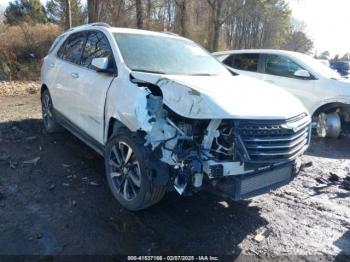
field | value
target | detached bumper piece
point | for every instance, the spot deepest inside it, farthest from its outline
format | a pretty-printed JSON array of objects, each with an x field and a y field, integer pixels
[{"x": 246, "y": 186}]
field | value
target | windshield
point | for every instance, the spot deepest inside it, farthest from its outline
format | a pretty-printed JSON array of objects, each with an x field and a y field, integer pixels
[
  {"x": 167, "y": 55},
  {"x": 318, "y": 67}
]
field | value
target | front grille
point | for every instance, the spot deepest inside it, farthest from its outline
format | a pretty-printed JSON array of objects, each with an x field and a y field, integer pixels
[{"x": 274, "y": 140}]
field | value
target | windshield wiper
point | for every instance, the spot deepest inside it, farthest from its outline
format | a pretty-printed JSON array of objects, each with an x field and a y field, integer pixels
[{"x": 148, "y": 71}]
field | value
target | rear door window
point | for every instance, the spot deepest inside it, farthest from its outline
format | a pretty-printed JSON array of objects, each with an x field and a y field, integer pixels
[
  {"x": 72, "y": 48},
  {"x": 246, "y": 62},
  {"x": 55, "y": 43}
]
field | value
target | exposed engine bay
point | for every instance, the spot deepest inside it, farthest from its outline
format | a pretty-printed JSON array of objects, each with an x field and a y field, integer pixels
[{"x": 197, "y": 149}]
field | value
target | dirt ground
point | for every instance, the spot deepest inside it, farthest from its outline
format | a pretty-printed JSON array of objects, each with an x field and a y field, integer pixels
[{"x": 54, "y": 200}]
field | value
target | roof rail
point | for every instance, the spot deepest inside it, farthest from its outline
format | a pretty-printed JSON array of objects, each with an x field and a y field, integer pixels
[
  {"x": 169, "y": 33},
  {"x": 91, "y": 24},
  {"x": 100, "y": 24}
]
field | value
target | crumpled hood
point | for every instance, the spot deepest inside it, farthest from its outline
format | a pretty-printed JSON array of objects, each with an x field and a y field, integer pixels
[{"x": 222, "y": 97}]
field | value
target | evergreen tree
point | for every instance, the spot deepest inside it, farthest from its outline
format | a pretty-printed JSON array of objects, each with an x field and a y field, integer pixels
[
  {"x": 29, "y": 11},
  {"x": 57, "y": 12}
]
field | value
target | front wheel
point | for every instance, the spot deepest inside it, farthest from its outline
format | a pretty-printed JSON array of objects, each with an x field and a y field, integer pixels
[
  {"x": 128, "y": 175},
  {"x": 328, "y": 125}
]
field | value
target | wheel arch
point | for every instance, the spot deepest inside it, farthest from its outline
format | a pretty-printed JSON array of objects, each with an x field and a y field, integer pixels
[
  {"x": 113, "y": 125},
  {"x": 43, "y": 88},
  {"x": 329, "y": 107}
]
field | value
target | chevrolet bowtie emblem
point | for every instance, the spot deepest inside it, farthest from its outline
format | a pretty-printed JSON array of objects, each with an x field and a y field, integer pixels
[{"x": 290, "y": 126}]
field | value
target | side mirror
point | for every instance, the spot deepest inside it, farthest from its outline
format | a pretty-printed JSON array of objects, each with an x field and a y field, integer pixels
[
  {"x": 100, "y": 64},
  {"x": 302, "y": 73}
]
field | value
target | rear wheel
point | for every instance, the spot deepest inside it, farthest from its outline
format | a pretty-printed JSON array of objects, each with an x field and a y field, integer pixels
[
  {"x": 128, "y": 176},
  {"x": 51, "y": 126}
]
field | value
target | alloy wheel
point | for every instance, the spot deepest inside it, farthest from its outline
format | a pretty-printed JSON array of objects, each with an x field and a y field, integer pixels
[
  {"x": 125, "y": 170},
  {"x": 46, "y": 109}
]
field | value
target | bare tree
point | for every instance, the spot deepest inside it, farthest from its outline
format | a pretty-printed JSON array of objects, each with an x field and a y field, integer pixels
[
  {"x": 93, "y": 14},
  {"x": 116, "y": 12},
  {"x": 139, "y": 14},
  {"x": 220, "y": 11},
  {"x": 68, "y": 15},
  {"x": 216, "y": 24},
  {"x": 148, "y": 14},
  {"x": 299, "y": 42},
  {"x": 181, "y": 19}
]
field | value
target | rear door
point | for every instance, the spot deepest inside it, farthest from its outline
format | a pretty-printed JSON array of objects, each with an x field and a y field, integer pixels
[
  {"x": 49, "y": 68},
  {"x": 279, "y": 70},
  {"x": 65, "y": 92},
  {"x": 93, "y": 86},
  {"x": 246, "y": 64}
]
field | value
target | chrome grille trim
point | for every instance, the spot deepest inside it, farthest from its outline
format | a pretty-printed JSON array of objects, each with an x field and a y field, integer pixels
[
  {"x": 289, "y": 145},
  {"x": 283, "y": 153},
  {"x": 274, "y": 140}
]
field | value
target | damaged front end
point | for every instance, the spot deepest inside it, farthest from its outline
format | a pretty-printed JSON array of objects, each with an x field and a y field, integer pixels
[{"x": 239, "y": 158}]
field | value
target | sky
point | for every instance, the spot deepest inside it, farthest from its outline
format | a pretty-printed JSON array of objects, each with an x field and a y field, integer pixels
[{"x": 326, "y": 21}]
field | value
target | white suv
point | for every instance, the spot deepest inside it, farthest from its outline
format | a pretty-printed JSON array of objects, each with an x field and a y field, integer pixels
[
  {"x": 166, "y": 115},
  {"x": 322, "y": 91}
]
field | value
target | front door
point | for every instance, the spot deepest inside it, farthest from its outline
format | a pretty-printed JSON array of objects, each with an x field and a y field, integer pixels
[
  {"x": 93, "y": 86},
  {"x": 280, "y": 70}
]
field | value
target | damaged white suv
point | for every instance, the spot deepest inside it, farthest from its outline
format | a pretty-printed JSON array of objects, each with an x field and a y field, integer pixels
[{"x": 167, "y": 115}]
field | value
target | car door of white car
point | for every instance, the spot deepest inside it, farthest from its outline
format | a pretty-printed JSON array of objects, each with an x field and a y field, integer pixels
[
  {"x": 65, "y": 90},
  {"x": 93, "y": 86},
  {"x": 279, "y": 70}
]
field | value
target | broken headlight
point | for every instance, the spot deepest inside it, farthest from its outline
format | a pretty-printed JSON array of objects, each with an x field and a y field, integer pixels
[{"x": 223, "y": 147}]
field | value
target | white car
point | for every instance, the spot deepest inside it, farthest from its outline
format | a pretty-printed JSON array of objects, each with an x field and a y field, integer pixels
[
  {"x": 165, "y": 115},
  {"x": 322, "y": 91},
  {"x": 324, "y": 61}
]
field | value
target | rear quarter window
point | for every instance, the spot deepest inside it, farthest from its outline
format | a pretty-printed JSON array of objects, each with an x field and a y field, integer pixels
[
  {"x": 55, "y": 43},
  {"x": 246, "y": 62}
]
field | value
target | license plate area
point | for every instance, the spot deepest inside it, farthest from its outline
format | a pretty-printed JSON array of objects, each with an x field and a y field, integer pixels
[{"x": 246, "y": 186}]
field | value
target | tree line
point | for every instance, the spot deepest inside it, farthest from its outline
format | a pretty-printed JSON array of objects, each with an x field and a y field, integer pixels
[{"x": 215, "y": 24}]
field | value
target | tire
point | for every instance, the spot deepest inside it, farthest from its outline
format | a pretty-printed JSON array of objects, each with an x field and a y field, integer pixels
[
  {"x": 328, "y": 125},
  {"x": 128, "y": 174},
  {"x": 51, "y": 126}
]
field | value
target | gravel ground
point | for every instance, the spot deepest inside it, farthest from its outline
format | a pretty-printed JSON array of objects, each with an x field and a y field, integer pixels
[
  {"x": 12, "y": 88},
  {"x": 54, "y": 200}
]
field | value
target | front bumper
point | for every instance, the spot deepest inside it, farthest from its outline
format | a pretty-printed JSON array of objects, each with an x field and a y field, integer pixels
[{"x": 257, "y": 183}]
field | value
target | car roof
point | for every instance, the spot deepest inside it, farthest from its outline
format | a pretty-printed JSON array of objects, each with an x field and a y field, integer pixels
[{"x": 256, "y": 51}]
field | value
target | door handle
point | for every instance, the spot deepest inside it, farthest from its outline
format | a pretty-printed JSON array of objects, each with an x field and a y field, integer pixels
[
  {"x": 270, "y": 81},
  {"x": 52, "y": 65},
  {"x": 75, "y": 75}
]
